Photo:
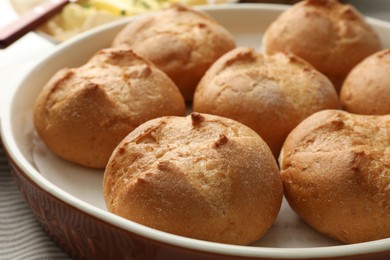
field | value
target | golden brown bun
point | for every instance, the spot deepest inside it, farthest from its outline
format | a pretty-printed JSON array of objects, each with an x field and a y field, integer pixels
[
  {"x": 335, "y": 168},
  {"x": 269, "y": 93},
  {"x": 200, "y": 176},
  {"x": 83, "y": 113},
  {"x": 333, "y": 37},
  {"x": 366, "y": 89},
  {"x": 180, "y": 41}
]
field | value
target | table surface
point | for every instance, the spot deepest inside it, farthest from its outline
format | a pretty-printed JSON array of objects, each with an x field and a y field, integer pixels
[{"x": 20, "y": 234}]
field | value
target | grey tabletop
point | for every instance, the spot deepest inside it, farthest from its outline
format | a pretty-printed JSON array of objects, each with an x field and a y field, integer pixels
[{"x": 21, "y": 237}]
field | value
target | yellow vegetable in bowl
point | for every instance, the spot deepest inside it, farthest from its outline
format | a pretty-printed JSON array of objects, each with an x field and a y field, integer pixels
[{"x": 82, "y": 15}]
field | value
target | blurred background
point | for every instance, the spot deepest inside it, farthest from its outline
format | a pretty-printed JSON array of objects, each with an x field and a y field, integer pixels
[{"x": 375, "y": 8}]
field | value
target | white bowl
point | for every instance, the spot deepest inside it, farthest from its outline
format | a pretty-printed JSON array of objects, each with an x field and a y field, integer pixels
[{"x": 67, "y": 199}]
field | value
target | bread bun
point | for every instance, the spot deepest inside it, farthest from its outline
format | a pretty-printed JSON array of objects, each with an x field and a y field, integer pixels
[
  {"x": 83, "y": 113},
  {"x": 181, "y": 41},
  {"x": 332, "y": 36},
  {"x": 200, "y": 176},
  {"x": 269, "y": 93},
  {"x": 366, "y": 89},
  {"x": 335, "y": 168}
]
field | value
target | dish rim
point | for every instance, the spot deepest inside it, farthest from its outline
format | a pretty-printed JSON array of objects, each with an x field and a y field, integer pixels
[{"x": 14, "y": 152}]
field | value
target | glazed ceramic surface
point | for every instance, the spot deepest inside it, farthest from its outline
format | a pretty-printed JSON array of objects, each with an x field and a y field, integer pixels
[{"x": 67, "y": 199}]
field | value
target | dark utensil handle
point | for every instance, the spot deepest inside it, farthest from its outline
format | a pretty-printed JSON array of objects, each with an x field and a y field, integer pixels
[{"x": 29, "y": 21}]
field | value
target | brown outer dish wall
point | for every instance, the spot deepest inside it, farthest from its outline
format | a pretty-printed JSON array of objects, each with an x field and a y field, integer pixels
[{"x": 83, "y": 236}]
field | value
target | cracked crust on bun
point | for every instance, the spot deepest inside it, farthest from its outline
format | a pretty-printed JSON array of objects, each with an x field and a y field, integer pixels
[
  {"x": 83, "y": 113},
  {"x": 200, "y": 176},
  {"x": 335, "y": 168},
  {"x": 269, "y": 93},
  {"x": 181, "y": 41},
  {"x": 332, "y": 36}
]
